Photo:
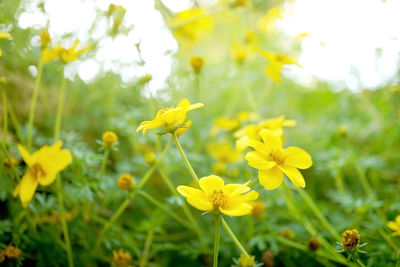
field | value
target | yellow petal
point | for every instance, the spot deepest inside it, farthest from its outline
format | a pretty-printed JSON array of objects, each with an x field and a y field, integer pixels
[
  {"x": 271, "y": 140},
  {"x": 233, "y": 190},
  {"x": 194, "y": 106},
  {"x": 210, "y": 183},
  {"x": 4, "y": 35},
  {"x": 271, "y": 179},
  {"x": 260, "y": 147},
  {"x": 397, "y": 220},
  {"x": 195, "y": 197},
  {"x": 294, "y": 175},
  {"x": 189, "y": 191},
  {"x": 50, "y": 174},
  {"x": 25, "y": 155},
  {"x": 16, "y": 190},
  {"x": 249, "y": 196},
  {"x": 297, "y": 157},
  {"x": 28, "y": 187},
  {"x": 239, "y": 210},
  {"x": 273, "y": 70},
  {"x": 256, "y": 160}
]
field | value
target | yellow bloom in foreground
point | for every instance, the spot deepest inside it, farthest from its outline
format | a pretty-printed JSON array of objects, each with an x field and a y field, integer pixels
[
  {"x": 395, "y": 226},
  {"x": 272, "y": 161},
  {"x": 4, "y": 35},
  {"x": 276, "y": 62},
  {"x": 214, "y": 195},
  {"x": 43, "y": 166},
  {"x": 172, "y": 118},
  {"x": 190, "y": 23}
]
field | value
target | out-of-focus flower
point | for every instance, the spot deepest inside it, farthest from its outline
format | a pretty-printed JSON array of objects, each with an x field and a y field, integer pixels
[
  {"x": 276, "y": 63},
  {"x": 395, "y": 226},
  {"x": 240, "y": 53},
  {"x": 117, "y": 12},
  {"x": 231, "y": 124},
  {"x": 258, "y": 208},
  {"x": 126, "y": 182},
  {"x": 272, "y": 161},
  {"x": 350, "y": 239},
  {"x": 43, "y": 166},
  {"x": 246, "y": 261},
  {"x": 313, "y": 244},
  {"x": 122, "y": 258},
  {"x": 12, "y": 252},
  {"x": 342, "y": 130},
  {"x": 109, "y": 138},
  {"x": 7, "y": 164},
  {"x": 214, "y": 195},
  {"x": 4, "y": 35},
  {"x": 268, "y": 258},
  {"x": 197, "y": 63},
  {"x": 172, "y": 118},
  {"x": 190, "y": 24},
  {"x": 55, "y": 217},
  {"x": 145, "y": 78},
  {"x": 150, "y": 158},
  {"x": 241, "y": 3},
  {"x": 45, "y": 38},
  {"x": 223, "y": 152},
  {"x": 64, "y": 54},
  {"x": 267, "y": 22}
]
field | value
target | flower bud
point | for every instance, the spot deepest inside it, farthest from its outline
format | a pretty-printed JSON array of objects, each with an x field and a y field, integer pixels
[
  {"x": 246, "y": 261},
  {"x": 126, "y": 182},
  {"x": 313, "y": 244},
  {"x": 109, "y": 138},
  {"x": 197, "y": 63},
  {"x": 350, "y": 239},
  {"x": 12, "y": 252}
]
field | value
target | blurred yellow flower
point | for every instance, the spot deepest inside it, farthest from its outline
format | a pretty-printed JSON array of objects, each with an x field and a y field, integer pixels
[
  {"x": 45, "y": 38},
  {"x": 4, "y": 35},
  {"x": 12, "y": 252},
  {"x": 126, "y": 182},
  {"x": 214, "y": 195},
  {"x": 223, "y": 152},
  {"x": 122, "y": 258},
  {"x": 231, "y": 124},
  {"x": 246, "y": 261},
  {"x": 43, "y": 166},
  {"x": 240, "y": 53},
  {"x": 172, "y": 118},
  {"x": 395, "y": 225},
  {"x": 267, "y": 22},
  {"x": 276, "y": 62},
  {"x": 7, "y": 164},
  {"x": 109, "y": 138},
  {"x": 197, "y": 63},
  {"x": 258, "y": 208},
  {"x": 64, "y": 54},
  {"x": 272, "y": 161},
  {"x": 190, "y": 23}
]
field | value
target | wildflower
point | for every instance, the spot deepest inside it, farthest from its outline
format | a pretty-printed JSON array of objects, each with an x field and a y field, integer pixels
[
  {"x": 276, "y": 62},
  {"x": 272, "y": 161},
  {"x": 145, "y": 78},
  {"x": 213, "y": 195},
  {"x": 223, "y": 152},
  {"x": 43, "y": 166},
  {"x": 172, "y": 118},
  {"x": 190, "y": 24},
  {"x": 4, "y": 35},
  {"x": 342, "y": 130},
  {"x": 7, "y": 164},
  {"x": 350, "y": 239},
  {"x": 184, "y": 129},
  {"x": 287, "y": 233},
  {"x": 109, "y": 138},
  {"x": 258, "y": 208},
  {"x": 64, "y": 54},
  {"x": 395, "y": 226},
  {"x": 268, "y": 258},
  {"x": 219, "y": 168},
  {"x": 197, "y": 63},
  {"x": 45, "y": 38},
  {"x": 313, "y": 244},
  {"x": 240, "y": 53},
  {"x": 246, "y": 261},
  {"x": 241, "y": 3},
  {"x": 12, "y": 252},
  {"x": 150, "y": 158},
  {"x": 126, "y": 182},
  {"x": 121, "y": 258},
  {"x": 267, "y": 22}
]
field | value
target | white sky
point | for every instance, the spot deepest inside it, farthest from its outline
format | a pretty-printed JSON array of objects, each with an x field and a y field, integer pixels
[{"x": 351, "y": 30}]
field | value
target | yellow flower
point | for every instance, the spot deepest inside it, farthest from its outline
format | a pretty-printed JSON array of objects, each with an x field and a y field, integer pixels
[
  {"x": 240, "y": 53},
  {"x": 150, "y": 158},
  {"x": 109, "y": 138},
  {"x": 214, "y": 195},
  {"x": 122, "y": 258},
  {"x": 45, "y": 38},
  {"x": 272, "y": 161},
  {"x": 223, "y": 152},
  {"x": 276, "y": 62},
  {"x": 197, "y": 63},
  {"x": 258, "y": 208},
  {"x": 395, "y": 226},
  {"x": 6, "y": 162},
  {"x": 4, "y": 35},
  {"x": 43, "y": 166},
  {"x": 190, "y": 23},
  {"x": 64, "y": 54},
  {"x": 350, "y": 239},
  {"x": 126, "y": 182},
  {"x": 172, "y": 118},
  {"x": 12, "y": 252},
  {"x": 267, "y": 22},
  {"x": 246, "y": 261},
  {"x": 184, "y": 129},
  {"x": 241, "y": 3}
]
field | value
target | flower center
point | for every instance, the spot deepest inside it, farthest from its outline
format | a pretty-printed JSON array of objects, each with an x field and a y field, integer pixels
[
  {"x": 218, "y": 198},
  {"x": 279, "y": 58},
  {"x": 277, "y": 156},
  {"x": 37, "y": 171}
]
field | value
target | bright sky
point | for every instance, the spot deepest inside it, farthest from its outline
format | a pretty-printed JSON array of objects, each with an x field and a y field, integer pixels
[{"x": 351, "y": 31}]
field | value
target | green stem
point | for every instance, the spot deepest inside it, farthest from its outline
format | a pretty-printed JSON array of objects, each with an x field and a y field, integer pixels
[
  {"x": 64, "y": 223},
  {"x": 15, "y": 123},
  {"x": 60, "y": 108},
  {"x": 33, "y": 104},
  {"x": 217, "y": 220},
  {"x": 233, "y": 237},
  {"x": 5, "y": 115},
  {"x": 104, "y": 163},
  {"x": 166, "y": 210},
  {"x": 146, "y": 250},
  {"x": 191, "y": 171},
  {"x": 7, "y": 155}
]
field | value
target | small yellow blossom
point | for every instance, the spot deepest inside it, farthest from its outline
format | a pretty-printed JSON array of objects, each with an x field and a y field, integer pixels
[
  {"x": 12, "y": 252},
  {"x": 246, "y": 261},
  {"x": 64, "y": 54},
  {"x": 240, "y": 53},
  {"x": 122, "y": 258},
  {"x": 395, "y": 226},
  {"x": 258, "y": 208},
  {"x": 45, "y": 38},
  {"x": 6, "y": 162},
  {"x": 219, "y": 168},
  {"x": 214, "y": 195},
  {"x": 313, "y": 244},
  {"x": 276, "y": 63},
  {"x": 350, "y": 239},
  {"x": 272, "y": 161},
  {"x": 190, "y": 24},
  {"x": 43, "y": 166},
  {"x": 197, "y": 63},
  {"x": 223, "y": 152},
  {"x": 109, "y": 138},
  {"x": 172, "y": 118},
  {"x": 126, "y": 182},
  {"x": 150, "y": 157},
  {"x": 267, "y": 22},
  {"x": 342, "y": 130},
  {"x": 4, "y": 35}
]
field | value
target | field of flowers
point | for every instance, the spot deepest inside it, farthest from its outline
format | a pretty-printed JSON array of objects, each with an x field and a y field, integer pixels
[{"x": 230, "y": 163}]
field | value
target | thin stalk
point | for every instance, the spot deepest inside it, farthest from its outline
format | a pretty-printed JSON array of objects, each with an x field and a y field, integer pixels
[
  {"x": 160, "y": 205},
  {"x": 60, "y": 108},
  {"x": 217, "y": 221},
  {"x": 185, "y": 159},
  {"x": 7, "y": 155},
  {"x": 233, "y": 237},
  {"x": 33, "y": 104},
  {"x": 146, "y": 250},
  {"x": 64, "y": 223},
  {"x": 104, "y": 163},
  {"x": 5, "y": 114},
  {"x": 15, "y": 123}
]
